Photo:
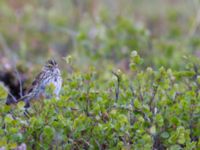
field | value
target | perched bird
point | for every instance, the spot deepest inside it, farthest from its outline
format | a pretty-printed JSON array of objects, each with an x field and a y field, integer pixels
[{"x": 50, "y": 74}]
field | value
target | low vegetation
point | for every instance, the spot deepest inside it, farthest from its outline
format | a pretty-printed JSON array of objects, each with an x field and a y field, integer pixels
[
  {"x": 144, "y": 109},
  {"x": 131, "y": 74}
]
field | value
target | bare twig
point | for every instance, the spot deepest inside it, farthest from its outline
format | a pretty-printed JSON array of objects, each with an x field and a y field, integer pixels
[
  {"x": 133, "y": 94},
  {"x": 26, "y": 113},
  {"x": 12, "y": 96},
  {"x": 20, "y": 82},
  {"x": 132, "y": 118}
]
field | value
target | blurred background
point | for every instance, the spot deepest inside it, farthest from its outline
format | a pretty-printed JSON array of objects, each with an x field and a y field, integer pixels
[{"x": 100, "y": 33}]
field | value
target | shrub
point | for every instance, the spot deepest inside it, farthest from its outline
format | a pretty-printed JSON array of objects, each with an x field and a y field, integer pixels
[{"x": 142, "y": 110}]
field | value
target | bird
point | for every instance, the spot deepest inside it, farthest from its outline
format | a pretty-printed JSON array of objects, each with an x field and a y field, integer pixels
[{"x": 50, "y": 74}]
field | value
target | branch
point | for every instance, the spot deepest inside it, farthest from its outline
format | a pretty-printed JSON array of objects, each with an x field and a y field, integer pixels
[
  {"x": 88, "y": 101},
  {"x": 140, "y": 92},
  {"x": 196, "y": 80},
  {"x": 133, "y": 94},
  {"x": 132, "y": 118},
  {"x": 20, "y": 82},
  {"x": 12, "y": 96}
]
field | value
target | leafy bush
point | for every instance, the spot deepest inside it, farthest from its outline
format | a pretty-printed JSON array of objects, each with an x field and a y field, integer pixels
[{"x": 142, "y": 110}]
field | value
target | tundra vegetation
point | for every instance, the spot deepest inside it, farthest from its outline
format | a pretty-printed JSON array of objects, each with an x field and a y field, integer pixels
[{"x": 131, "y": 74}]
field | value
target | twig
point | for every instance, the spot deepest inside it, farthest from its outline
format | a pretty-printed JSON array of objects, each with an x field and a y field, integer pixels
[
  {"x": 12, "y": 96},
  {"x": 12, "y": 113},
  {"x": 117, "y": 90},
  {"x": 88, "y": 101},
  {"x": 20, "y": 82},
  {"x": 146, "y": 118},
  {"x": 155, "y": 89},
  {"x": 133, "y": 94},
  {"x": 26, "y": 113},
  {"x": 132, "y": 118},
  {"x": 195, "y": 78},
  {"x": 140, "y": 92}
]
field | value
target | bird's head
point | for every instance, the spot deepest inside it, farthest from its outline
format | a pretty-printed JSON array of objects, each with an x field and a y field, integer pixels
[{"x": 51, "y": 65}]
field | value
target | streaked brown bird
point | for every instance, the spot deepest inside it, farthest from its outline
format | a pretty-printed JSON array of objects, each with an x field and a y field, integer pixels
[{"x": 50, "y": 74}]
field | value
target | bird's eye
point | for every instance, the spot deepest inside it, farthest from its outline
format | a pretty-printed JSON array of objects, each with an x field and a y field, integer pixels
[{"x": 50, "y": 65}]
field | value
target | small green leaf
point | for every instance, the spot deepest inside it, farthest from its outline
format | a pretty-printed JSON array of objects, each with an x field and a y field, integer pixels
[
  {"x": 68, "y": 59},
  {"x": 48, "y": 133},
  {"x": 8, "y": 119},
  {"x": 21, "y": 105},
  {"x": 3, "y": 92},
  {"x": 173, "y": 138},
  {"x": 12, "y": 145},
  {"x": 137, "y": 104},
  {"x": 153, "y": 130},
  {"x": 165, "y": 135},
  {"x": 159, "y": 120},
  {"x": 181, "y": 138},
  {"x": 175, "y": 147}
]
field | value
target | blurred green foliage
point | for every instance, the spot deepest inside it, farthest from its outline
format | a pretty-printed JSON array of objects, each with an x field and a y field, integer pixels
[{"x": 100, "y": 31}]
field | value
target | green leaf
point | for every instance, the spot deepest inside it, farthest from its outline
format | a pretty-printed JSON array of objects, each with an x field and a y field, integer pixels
[
  {"x": 153, "y": 130},
  {"x": 175, "y": 147},
  {"x": 12, "y": 145},
  {"x": 18, "y": 137},
  {"x": 165, "y": 135},
  {"x": 137, "y": 104},
  {"x": 6, "y": 108},
  {"x": 173, "y": 138},
  {"x": 48, "y": 133},
  {"x": 3, "y": 141},
  {"x": 48, "y": 130},
  {"x": 3, "y": 92},
  {"x": 159, "y": 120},
  {"x": 8, "y": 119},
  {"x": 81, "y": 36},
  {"x": 123, "y": 119},
  {"x": 181, "y": 138},
  {"x": 21, "y": 105}
]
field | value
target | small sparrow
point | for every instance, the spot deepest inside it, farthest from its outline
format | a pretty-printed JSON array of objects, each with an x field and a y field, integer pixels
[{"x": 50, "y": 74}]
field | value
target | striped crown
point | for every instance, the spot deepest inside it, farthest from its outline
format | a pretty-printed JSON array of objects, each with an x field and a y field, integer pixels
[{"x": 51, "y": 63}]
